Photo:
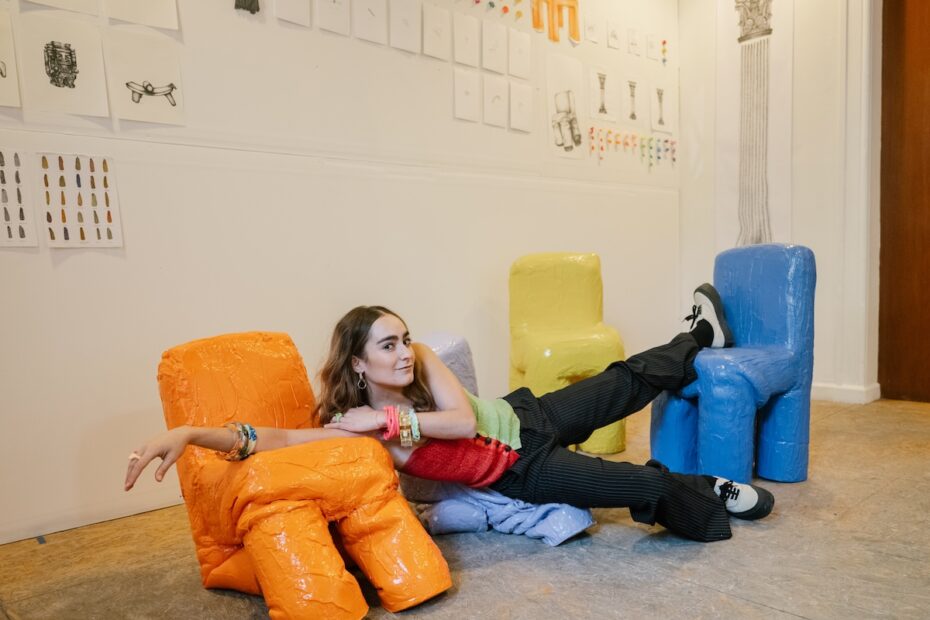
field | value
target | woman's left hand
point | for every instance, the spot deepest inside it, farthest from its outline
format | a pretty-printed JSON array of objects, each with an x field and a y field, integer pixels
[{"x": 358, "y": 420}]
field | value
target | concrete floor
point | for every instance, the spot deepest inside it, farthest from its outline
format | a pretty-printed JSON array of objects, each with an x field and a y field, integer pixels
[{"x": 851, "y": 542}]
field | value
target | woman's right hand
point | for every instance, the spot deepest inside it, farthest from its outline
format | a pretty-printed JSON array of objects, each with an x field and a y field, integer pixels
[{"x": 168, "y": 446}]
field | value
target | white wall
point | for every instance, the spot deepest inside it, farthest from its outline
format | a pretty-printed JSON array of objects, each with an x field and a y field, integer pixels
[
  {"x": 315, "y": 173},
  {"x": 835, "y": 155}
]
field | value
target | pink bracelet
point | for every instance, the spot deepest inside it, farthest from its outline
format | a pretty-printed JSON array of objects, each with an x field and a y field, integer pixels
[{"x": 393, "y": 423}]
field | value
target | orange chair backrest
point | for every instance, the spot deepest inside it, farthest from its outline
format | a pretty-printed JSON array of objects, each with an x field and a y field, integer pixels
[{"x": 254, "y": 377}]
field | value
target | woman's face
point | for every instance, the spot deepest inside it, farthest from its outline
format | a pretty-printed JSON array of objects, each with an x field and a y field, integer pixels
[{"x": 388, "y": 356}]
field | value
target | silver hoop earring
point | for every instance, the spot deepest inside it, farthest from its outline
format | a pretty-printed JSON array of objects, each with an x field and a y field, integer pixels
[{"x": 361, "y": 383}]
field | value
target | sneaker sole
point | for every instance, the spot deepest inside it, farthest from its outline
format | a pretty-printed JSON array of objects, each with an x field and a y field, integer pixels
[{"x": 718, "y": 320}]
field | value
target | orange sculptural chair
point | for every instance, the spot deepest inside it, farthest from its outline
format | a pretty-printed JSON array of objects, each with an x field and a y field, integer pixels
[
  {"x": 262, "y": 525},
  {"x": 556, "y": 19}
]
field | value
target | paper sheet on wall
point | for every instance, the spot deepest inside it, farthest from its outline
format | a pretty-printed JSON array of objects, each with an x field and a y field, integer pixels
[
  {"x": 294, "y": 11},
  {"x": 613, "y": 34},
  {"x": 652, "y": 46},
  {"x": 564, "y": 97},
  {"x": 17, "y": 225},
  {"x": 496, "y": 100},
  {"x": 603, "y": 94},
  {"x": 144, "y": 76},
  {"x": 406, "y": 25},
  {"x": 727, "y": 128},
  {"x": 634, "y": 101},
  {"x": 9, "y": 76},
  {"x": 633, "y": 43},
  {"x": 494, "y": 46},
  {"x": 79, "y": 6},
  {"x": 663, "y": 104},
  {"x": 62, "y": 61},
  {"x": 80, "y": 201},
  {"x": 593, "y": 25},
  {"x": 157, "y": 13},
  {"x": 369, "y": 20},
  {"x": 333, "y": 15},
  {"x": 466, "y": 36},
  {"x": 521, "y": 107},
  {"x": 437, "y": 33},
  {"x": 521, "y": 48},
  {"x": 467, "y": 95}
]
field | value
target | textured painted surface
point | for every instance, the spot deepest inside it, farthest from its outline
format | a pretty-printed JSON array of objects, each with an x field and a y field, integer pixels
[
  {"x": 262, "y": 525},
  {"x": 557, "y": 334},
  {"x": 849, "y": 543},
  {"x": 750, "y": 404}
]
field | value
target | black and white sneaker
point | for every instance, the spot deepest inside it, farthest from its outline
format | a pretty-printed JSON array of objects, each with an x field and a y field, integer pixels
[
  {"x": 708, "y": 309},
  {"x": 744, "y": 501}
]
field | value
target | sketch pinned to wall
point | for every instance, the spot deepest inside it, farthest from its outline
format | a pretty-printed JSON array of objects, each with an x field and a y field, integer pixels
[
  {"x": 17, "y": 225},
  {"x": 754, "y": 21},
  {"x": 603, "y": 94},
  {"x": 494, "y": 46},
  {"x": 369, "y": 20},
  {"x": 156, "y": 13},
  {"x": 466, "y": 39},
  {"x": 333, "y": 15},
  {"x": 754, "y": 173},
  {"x": 252, "y": 6},
  {"x": 406, "y": 25},
  {"x": 80, "y": 201},
  {"x": 144, "y": 71},
  {"x": 634, "y": 99},
  {"x": 467, "y": 95},
  {"x": 437, "y": 34},
  {"x": 9, "y": 77},
  {"x": 62, "y": 61},
  {"x": 564, "y": 83},
  {"x": 613, "y": 34},
  {"x": 78, "y": 6},
  {"x": 652, "y": 47},
  {"x": 633, "y": 43},
  {"x": 593, "y": 26},
  {"x": 496, "y": 101},
  {"x": 521, "y": 107},
  {"x": 293, "y": 11},
  {"x": 663, "y": 108},
  {"x": 558, "y": 14},
  {"x": 520, "y": 53}
]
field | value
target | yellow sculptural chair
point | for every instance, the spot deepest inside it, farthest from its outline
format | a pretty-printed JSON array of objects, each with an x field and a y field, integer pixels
[
  {"x": 557, "y": 334},
  {"x": 262, "y": 525}
]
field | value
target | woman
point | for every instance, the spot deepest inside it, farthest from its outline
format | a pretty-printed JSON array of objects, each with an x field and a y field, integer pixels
[{"x": 376, "y": 382}]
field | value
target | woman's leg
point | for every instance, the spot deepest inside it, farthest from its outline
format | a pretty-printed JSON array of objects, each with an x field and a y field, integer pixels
[
  {"x": 622, "y": 388},
  {"x": 686, "y": 505}
]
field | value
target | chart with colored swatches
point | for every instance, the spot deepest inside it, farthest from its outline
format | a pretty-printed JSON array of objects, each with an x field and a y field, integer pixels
[
  {"x": 80, "y": 200},
  {"x": 17, "y": 228}
]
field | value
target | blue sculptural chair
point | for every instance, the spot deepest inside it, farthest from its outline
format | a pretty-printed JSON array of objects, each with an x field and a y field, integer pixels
[{"x": 750, "y": 403}]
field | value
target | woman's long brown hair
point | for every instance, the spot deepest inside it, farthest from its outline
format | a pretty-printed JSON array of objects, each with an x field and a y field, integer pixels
[{"x": 339, "y": 391}]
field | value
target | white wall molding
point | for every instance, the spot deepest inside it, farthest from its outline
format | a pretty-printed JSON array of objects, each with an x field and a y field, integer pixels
[{"x": 853, "y": 394}]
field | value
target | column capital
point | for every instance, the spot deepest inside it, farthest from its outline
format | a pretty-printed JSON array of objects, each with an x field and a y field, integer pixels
[{"x": 755, "y": 18}]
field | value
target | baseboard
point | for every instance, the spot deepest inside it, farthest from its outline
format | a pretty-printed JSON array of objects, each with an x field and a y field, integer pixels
[{"x": 854, "y": 394}]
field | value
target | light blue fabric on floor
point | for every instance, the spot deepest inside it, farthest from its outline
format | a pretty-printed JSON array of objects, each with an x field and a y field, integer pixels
[{"x": 457, "y": 508}]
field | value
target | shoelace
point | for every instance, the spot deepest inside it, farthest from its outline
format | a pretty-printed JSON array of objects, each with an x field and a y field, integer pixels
[
  {"x": 694, "y": 316},
  {"x": 728, "y": 490}
]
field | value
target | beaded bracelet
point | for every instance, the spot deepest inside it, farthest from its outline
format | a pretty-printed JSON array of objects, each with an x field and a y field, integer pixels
[{"x": 246, "y": 438}]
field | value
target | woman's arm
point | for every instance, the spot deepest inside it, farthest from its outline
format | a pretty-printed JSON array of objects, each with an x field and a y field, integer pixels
[
  {"x": 170, "y": 445},
  {"x": 454, "y": 418}
]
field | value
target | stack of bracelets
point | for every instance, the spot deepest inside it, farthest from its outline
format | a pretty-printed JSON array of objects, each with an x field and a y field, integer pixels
[
  {"x": 245, "y": 441},
  {"x": 402, "y": 422}
]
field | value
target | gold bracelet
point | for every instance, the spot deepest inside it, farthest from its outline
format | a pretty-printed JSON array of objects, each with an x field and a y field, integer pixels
[{"x": 406, "y": 434}]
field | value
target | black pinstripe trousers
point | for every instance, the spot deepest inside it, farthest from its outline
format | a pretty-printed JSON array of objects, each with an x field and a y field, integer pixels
[{"x": 547, "y": 471}]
